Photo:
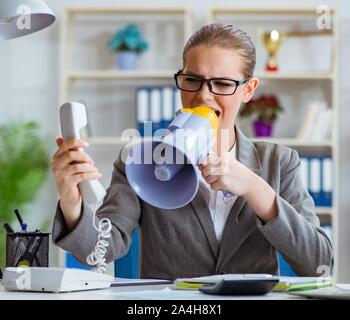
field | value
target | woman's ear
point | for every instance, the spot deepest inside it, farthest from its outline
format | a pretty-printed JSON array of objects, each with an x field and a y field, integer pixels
[{"x": 249, "y": 89}]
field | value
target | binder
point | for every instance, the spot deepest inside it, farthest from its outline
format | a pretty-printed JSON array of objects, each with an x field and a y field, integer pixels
[
  {"x": 304, "y": 172},
  {"x": 177, "y": 100},
  {"x": 168, "y": 106},
  {"x": 142, "y": 109},
  {"x": 315, "y": 180},
  {"x": 156, "y": 112},
  {"x": 155, "y": 108},
  {"x": 327, "y": 181}
]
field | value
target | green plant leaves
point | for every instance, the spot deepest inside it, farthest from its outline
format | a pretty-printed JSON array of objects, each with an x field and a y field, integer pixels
[
  {"x": 24, "y": 163},
  {"x": 128, "y": 39},
  {"x": 266, "y": 108}
]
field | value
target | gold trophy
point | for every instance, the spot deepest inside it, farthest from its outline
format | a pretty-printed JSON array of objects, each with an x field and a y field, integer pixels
[{"x": 272, "y": 42}]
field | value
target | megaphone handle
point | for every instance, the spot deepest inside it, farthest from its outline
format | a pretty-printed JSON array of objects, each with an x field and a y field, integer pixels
[{"x": 226, "y": 194}]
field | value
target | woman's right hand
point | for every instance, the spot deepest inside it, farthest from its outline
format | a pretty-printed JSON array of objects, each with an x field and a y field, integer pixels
[{"x": 70, "y": 166}]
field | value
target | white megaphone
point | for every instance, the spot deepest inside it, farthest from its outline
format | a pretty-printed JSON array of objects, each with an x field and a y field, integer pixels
[{"x": 162, "y": 171}]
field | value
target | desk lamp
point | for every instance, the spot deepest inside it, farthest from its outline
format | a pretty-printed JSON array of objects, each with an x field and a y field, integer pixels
[{"x": 21, "y": 17}]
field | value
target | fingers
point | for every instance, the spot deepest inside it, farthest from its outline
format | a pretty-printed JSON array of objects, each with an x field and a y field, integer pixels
[
  {"x": 213, "y": 178},
  {"x": 69, "y": 161},
  {"x": 214, "y": 170},
  {"x": 217, "y": 185},
  {"x": 211, "y": 159},
  {"x": 215, "y": 167},
  {"x": 64, "y": 166},
  {"x": 77, "y": 168},
  {"x": 75, "y": 173},
  {"x": 72, "y": 157},
  {"x": 84, "y": 176},
  {"x": 59, "y": 141},
  {"x": 70, "y": 144}
]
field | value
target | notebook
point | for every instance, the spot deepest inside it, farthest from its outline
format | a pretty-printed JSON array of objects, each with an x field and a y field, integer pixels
[
  {"x": 285, "y": 284},
  {"x": 337, "y": 292},
  {"x": 198, "y": 282},
  {"x": 302, "y": 283}
]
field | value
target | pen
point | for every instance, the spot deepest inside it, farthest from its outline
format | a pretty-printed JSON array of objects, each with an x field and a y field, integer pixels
[
  {"x": 8, "y": 228},
  {"x": 24, "y": 227},
  {"x": 20, "y": 220}
]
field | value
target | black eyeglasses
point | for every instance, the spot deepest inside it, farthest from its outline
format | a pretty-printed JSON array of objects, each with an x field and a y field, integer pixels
[{"x": 219, "y": 86}]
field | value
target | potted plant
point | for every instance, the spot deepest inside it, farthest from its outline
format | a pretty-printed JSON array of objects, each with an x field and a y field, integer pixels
[
  {"x": 128, "y": 44},
  {"x": 24, "y": 163},
  {"x": 266, "y": 110}
]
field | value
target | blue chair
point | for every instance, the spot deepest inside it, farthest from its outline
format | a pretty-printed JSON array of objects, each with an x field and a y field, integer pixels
[
  {"x": 128, "y": 265},
  {"x": 71, "y": 262},
  {"x": 285, "y": 269}
]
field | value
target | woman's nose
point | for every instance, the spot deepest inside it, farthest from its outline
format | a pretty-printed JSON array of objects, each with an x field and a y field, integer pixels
[{"x": 205, "y": 92}]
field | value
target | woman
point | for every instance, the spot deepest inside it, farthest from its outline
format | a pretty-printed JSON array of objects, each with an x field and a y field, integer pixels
[{"x": 271, "y": 211}]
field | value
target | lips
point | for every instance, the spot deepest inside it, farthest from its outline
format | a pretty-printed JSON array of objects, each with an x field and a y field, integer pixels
[
  {"x": 215, "y": 109},
  {"x": 217, "y": 112}
]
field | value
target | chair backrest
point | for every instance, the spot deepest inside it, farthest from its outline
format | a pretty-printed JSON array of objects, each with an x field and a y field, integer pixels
[
  {"x": 128, "y": 265},
  {"x": 285, "y": 270}
]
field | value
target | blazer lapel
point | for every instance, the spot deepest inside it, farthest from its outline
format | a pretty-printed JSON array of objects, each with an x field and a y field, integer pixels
[
  {"x": 235, "y": 231},
  {"x": 203, "y": 214},
  {"x": 240, "y": 222}
]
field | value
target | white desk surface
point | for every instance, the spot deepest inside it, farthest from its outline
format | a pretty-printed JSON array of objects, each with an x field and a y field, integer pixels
[{"x": 158, "y": 292}]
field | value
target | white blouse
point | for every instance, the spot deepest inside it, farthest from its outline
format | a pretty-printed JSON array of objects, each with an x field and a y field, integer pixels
[{"x": 219, "y": 205}]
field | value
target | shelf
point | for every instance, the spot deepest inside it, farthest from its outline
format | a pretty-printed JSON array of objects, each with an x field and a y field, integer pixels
[
  {"x": 121, "y": 10},
  {"x": 120, "y": 75},
  {"x": 105, "y": 141},
  {"x": 295, "y": 76},
  {"x": 295, "y": 142},
  {"x": 324, "y": 210},
  {"x": 168, "y": 74},
  {"x": 265, "y": 11}
]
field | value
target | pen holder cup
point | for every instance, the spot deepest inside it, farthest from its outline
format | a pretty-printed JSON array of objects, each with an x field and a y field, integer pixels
[{"x": 29, "y": 249}]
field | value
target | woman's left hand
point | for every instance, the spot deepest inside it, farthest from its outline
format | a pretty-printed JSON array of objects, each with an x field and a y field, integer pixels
[{"x": 226, "y": 173}]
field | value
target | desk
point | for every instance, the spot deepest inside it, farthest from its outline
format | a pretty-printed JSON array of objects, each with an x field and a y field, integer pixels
[{"x": 155, "y": 292}]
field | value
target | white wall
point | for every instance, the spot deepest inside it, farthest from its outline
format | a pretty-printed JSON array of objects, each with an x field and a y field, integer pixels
[{"x": 29, "y": 89}]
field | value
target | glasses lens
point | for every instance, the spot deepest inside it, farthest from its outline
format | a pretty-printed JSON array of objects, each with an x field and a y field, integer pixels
[
  {"x": 188, "y": 83},
  {"x": 223, "y": 86}
]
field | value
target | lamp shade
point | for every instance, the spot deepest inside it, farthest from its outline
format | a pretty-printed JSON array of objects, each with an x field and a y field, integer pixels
[{"x": 21, "y": 17}]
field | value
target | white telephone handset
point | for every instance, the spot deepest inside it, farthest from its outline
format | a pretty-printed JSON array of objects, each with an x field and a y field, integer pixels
[{"x": 73, "y": 119}]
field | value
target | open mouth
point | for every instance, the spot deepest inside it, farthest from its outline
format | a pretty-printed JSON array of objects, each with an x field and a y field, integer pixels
[{"x": 218, "y": 114}]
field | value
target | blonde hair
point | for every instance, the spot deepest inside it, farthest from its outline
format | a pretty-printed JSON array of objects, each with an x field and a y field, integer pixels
[{"x": 227, "y": 37}]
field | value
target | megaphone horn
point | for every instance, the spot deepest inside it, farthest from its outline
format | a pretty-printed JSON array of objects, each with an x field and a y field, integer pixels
[{"x": 162, "y": 171}]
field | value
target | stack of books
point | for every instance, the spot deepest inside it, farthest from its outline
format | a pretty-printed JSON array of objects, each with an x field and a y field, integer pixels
[{"x": 317, "y": 124}]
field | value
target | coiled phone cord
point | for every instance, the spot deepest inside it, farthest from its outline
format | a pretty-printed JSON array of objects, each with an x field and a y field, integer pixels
[{"x": 97, "y": 257}]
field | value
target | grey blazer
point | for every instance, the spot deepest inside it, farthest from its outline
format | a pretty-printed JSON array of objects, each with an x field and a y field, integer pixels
[{"x": 182, "y": 242}]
